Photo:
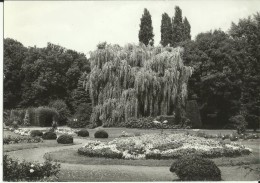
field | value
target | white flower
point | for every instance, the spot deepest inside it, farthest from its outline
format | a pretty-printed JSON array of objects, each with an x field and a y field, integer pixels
[
  {"x": 31, "y": 170},
  {"x": 32, "y": 165},
  {"x": 41, "y": 164}
]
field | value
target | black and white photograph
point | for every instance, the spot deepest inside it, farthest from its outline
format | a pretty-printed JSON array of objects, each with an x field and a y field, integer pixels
[{"x": 130, "y": 91}]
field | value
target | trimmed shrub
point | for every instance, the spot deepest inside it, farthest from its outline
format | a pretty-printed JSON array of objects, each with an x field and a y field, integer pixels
[
  {"x": 101, "y": 134},
  {"x": 196, "y": 168},
  {"x": 36, "y": 133},
  {"x": 49, "y": 136},
  {"x": 46, "y": 116},
  {"x": 62, "y": 109},
  {"x": 82, "y": 116},
  {"x": 65, "y": 139},
  {"x": 83, "y": 133}
]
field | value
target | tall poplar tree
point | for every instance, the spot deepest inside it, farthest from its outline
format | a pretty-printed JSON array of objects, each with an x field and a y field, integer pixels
[
  {"x": 146, "y": 29},
  {"x": 186, "y": 29},
  {"x": 166, "y": 30},
  {"x": 177, "y": 27}
]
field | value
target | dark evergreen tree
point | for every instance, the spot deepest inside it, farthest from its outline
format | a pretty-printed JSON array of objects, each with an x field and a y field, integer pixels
[
  {"x": 166, "y": 30},
  {"x": 80, "y": 95},
  {"x": 186, "y": 30},
  {"x": 177, "y": 27},
  {"x": 146, "y": 29}
]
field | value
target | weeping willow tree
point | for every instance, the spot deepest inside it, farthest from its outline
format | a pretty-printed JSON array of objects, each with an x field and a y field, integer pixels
[{"x": 136, "y": 81}]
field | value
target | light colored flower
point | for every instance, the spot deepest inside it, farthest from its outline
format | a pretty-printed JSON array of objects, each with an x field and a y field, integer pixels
[
  {"x": 31, "y": 170},
  {"x": 32, "y": 165}
]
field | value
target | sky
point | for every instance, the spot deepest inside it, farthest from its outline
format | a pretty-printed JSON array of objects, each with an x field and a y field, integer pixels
[{"x": 81, "y": 25}]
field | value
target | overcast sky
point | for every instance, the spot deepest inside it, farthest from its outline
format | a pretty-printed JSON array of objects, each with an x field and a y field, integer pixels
[{"x": 81, "y": 25}]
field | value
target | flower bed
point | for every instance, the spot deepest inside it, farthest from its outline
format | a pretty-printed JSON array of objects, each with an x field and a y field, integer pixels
[
  {"x": 21, "y": 139},
  {"x": 166, "y": 146},
  {"x": 66, "y": 131}
]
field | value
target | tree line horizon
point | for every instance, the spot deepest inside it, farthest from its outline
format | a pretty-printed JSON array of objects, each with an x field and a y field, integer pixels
[{"x": 225, "y": 81}]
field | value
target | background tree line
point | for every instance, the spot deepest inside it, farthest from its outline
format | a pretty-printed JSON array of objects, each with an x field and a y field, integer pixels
[
  {"x": 226, "y": 78},
  {"x": 38, "y": 76},
  {"x": 225, "y": 82}
]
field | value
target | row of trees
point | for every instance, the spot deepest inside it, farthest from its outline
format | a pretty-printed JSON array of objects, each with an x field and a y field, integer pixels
[
  {"x": 226, "y": 79},
  {"x": 226, "y": 66},
  {"x": 37, "y": 76},
  {"x": 173, "y": 30}
]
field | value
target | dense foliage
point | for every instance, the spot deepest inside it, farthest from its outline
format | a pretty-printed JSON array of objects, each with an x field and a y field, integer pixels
[
  {"x": 101, "y": 134},
  {"x": 176, "y": 30},
  {"x": 195, "y": 168},
  {"x": 136, "y": 81},
  {"x": 83, "y": 133},
  {"x": 166, "y": 30},
  {"x": 65, "y": 139},
  {"x": 36, "y": 76},
  {"x": 14, "y": 171},
  {"x": 225, "y": 81},
  {"x": 146, "y": 29},
  {"x": 49, "y": 136},
  {"x": 62, "y": 110}
]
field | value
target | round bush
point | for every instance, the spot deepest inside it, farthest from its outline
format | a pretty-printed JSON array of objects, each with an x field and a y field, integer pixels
[
  {"x": 83, "y": 133},
  {"x": 101, "y": 134},
  {"x": 49, "y": 136},
  {"x": 196, "y": 168},
  {"x": 65, "y": 139},
  {"x": 36, "y": 133}
]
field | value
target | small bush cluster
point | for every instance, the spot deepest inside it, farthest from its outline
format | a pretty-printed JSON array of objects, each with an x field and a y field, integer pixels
[
  {"x": 65, "y": 139},
  {"x": 196, "y": 168},
  {"x": 36, "y": 133},
  {"x": 101, "y": 134},
  {"x": 49, "y": 136},
  {"x": 21, "y": 139},
  {"x": 26, "y": 171},
  {"x": 83, "y": 133}
]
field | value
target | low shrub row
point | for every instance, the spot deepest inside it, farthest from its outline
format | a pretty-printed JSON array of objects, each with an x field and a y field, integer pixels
[
  {"x": 232, "y": 137},
  {"x": 28, "y": 171},
  {"x": 147, "y": 122},
  {"x": 21, "y": 139}
]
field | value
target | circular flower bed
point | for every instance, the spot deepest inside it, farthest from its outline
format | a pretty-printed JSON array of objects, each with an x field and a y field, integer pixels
[{"x": 166, "y": 146}]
